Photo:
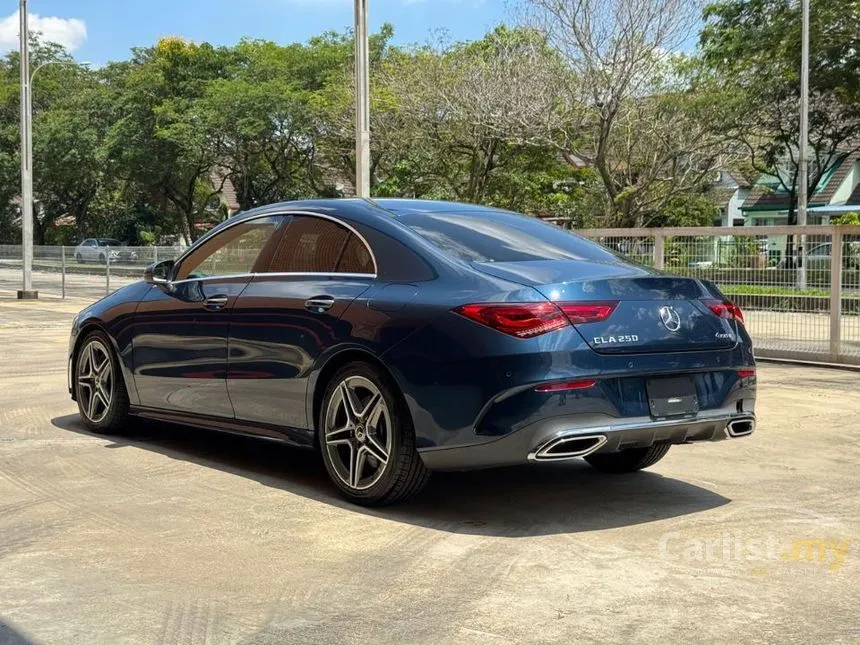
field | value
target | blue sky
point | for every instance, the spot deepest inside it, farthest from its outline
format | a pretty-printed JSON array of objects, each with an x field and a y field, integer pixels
[{"x": 104, "y": 30}]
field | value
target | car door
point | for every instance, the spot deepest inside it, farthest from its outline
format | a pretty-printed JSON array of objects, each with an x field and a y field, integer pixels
[
  {"x": 180, "y": 328},
  {"x": 291, "y": 314},
  {"x": 88, "y": 251}
]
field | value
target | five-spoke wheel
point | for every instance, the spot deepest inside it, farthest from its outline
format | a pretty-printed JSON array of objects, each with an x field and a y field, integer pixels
[
  {"x": 358, "y": 432},
  {"x": 366, "y": 438},
  {"x": 95, "y": 381},
  {"x": 99, "y": 388}
]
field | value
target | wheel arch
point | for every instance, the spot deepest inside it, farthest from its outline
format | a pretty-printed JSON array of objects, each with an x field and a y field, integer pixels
[
  {"x": 88, "y": 327},
  {"x": 320, "y": 379}
]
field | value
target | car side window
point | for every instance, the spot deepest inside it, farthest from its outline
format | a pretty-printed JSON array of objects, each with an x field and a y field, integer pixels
[
  {"x": 89, "y": 243},
  {"x": 356, "y": 257},
  {"x": 319, "y": 245},
  {"x": 233, "y": 251}
]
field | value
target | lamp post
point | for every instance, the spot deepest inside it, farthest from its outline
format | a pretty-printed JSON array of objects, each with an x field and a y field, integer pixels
[
  {"x": 803, "y": 166},
  {"x": 27, "y": 292},
  {"x": 362, "y": 102}
]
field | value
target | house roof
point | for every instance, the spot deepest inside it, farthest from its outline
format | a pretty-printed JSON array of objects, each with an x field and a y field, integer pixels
[
  {"x": 764, "y": 198},
  {"x": 221, "y": 181},
  {"x": 854, "y": 198}
]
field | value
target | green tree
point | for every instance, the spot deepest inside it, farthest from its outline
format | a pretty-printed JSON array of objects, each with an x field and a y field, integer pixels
[
  {"x": 160, "y": 142},
  {"x": 468, "y": 118},
  {"x": 751, "y": 55}
]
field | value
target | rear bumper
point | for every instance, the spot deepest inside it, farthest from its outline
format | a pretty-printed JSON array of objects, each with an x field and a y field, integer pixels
[{"x": 564, "y": 438}]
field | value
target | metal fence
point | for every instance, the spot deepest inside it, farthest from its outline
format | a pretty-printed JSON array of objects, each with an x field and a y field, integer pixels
[
  {"x": 78, "y": 272},
  {"x": 820, "y": 322}
]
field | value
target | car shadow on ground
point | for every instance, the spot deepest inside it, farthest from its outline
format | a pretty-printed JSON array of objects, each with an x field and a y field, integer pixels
[
  {"x": 11, "y": 636},
  {"x": 512, "y": 502}
]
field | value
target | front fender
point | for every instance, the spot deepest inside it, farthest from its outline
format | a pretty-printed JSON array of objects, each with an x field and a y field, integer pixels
[{"x": 114, "y": 316}]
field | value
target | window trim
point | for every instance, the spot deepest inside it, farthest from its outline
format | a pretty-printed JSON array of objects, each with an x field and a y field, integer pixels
[
  {"x": 288, "y": 213},
  {"x": 276, "y": 274}
]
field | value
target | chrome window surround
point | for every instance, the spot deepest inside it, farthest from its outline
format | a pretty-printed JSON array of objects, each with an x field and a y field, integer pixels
[
  {"x": 340, "y": 222},
  {"x": 276, "y": 274}
]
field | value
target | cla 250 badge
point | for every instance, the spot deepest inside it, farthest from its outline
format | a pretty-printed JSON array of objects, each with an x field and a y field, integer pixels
[{"x": 611, "y": 340}]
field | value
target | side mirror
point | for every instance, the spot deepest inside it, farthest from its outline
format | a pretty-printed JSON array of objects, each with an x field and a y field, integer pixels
[{"x": 158, "y": 273}]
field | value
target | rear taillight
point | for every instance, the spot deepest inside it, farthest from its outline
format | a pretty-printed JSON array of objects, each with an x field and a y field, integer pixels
[
  {"x": 587, "y": 312},
  {"x": 523, "y": 320},
  {"x": 747, "y": 373},
  {"x": 529, "y": 319},
  {"x": 725, "y": 309}
]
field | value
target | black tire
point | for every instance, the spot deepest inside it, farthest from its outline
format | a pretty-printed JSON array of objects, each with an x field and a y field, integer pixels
[
  {"x": 102, "y": 258},
  {"x": 629, "y": 460},
  {"x": 78, "y": 258},
  {"x": 115, "y": 419},
  {"x": 404, "y": 474}
]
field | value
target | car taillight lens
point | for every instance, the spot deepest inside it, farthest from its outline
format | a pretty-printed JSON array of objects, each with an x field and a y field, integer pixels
[
  {"x": 725, "y": 309},
  {"x": 523, "y": 320},
  {"x": 747, "y": 373},
  {"x": 529, "y": 319},
  {"x": 587, "y": 312}
]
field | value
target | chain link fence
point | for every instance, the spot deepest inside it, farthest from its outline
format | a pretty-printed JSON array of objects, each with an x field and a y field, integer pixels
[{"x": 810, "y": 313}]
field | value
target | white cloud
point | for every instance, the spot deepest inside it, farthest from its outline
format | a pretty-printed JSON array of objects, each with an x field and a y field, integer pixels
[{"x": 71, "y": 33}]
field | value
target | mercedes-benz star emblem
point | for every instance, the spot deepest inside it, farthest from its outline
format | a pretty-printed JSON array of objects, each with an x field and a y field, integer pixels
[{"x": 671, "y": 319}]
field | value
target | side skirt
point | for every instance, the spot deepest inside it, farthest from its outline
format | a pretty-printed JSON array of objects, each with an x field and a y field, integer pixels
[{"x": 292, "y": 436}]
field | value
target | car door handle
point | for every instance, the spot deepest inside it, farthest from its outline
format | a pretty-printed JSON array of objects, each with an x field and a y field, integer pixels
[
  {"x": 214, "y": 303},
  {"x": 319, "y": 304}
]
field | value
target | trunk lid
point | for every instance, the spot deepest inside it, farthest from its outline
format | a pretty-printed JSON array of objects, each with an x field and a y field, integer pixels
[{"x": 654, "y": 312}]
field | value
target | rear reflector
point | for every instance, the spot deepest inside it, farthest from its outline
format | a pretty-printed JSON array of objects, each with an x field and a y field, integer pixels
[
  {"x": 587, "y": 312},
  {"x": 523, "y": 320},
  {"x": 565, "y": 385},
  {"x": 725, "y": 309},
  {"x": 747, "y": 373}
]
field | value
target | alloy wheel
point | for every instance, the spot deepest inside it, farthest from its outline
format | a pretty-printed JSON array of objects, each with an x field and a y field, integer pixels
[
  {"x": 95, "y": 381},
  {"x": 358, "y": 433}
]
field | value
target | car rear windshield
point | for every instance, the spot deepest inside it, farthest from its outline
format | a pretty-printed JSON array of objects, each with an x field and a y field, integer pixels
[{"x": 499, "y": 236}]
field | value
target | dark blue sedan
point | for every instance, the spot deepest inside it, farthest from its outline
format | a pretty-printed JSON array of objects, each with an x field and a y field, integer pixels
[{"x": 399, "y": 337}]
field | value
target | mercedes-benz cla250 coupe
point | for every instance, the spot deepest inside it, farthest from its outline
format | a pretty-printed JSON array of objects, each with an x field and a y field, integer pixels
[{"x": 398, "y": 337}]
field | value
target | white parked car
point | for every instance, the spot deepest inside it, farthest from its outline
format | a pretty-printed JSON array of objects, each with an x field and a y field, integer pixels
[{"x": 98, "y": 249}]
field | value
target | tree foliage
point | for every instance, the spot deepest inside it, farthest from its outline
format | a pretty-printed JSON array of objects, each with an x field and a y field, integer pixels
[{"x": 751, "y": 59}]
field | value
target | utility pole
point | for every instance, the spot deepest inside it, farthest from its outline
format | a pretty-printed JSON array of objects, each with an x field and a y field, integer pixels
[
  {"x": 27, "y": 292},
  {"x": 803, "y": 167},
  {"x": 362, "y": 102}
]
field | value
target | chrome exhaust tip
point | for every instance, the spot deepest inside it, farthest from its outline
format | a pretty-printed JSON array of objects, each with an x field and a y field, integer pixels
[
  {"x": 741, "y": 427},
  {"x": 569, "y": 447}
]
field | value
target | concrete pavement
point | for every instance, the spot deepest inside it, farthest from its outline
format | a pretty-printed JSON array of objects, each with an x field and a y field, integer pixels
[{"x": 181, "y": 536}]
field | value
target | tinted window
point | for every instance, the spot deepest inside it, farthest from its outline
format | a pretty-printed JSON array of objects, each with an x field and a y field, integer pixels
[
  {"x": 491, "y": 236},
  {"x": 356, "y": 257},
  {"x": 232, "y": 251},
  {"x": 394, "y": 260},
  {"x": 109, "y": 242},
  {"x": 318, "y": 245}
]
